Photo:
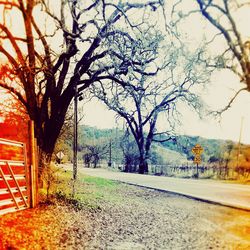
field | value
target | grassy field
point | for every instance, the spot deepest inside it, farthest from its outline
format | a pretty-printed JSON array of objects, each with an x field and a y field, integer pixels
[{"x": 86, "y": 191}]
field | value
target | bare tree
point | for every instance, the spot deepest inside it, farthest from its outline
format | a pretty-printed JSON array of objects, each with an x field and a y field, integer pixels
[
  {"x": 154, "y": 78},
  {"x": 95, "y": 153},
  {"x": 57, "y": 55},
  {"x": 222, "y": 15}
]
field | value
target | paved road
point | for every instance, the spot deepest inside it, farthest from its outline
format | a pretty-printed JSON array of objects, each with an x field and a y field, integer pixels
[{"x": 233, "y": 195}]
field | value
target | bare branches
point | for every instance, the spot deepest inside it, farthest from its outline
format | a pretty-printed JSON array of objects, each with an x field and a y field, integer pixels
[
  {"x": 230, "y": 102},
  {"x": 9, "y": 5},
  {"x": 219, "y": 26},
  {"x": 9, "y": 57},
  {"x": 13, "y": 42},
  {"x": 164, "y": 137},
  {"x": 231, "y": 33},
  {"x": 44, "y": 42},
  {"x": 15, "y": 92},
  {"x": 78, "y": 53}
]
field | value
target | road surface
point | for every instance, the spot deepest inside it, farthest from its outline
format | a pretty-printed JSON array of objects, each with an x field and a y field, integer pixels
[{"x": 232, "y": 195}]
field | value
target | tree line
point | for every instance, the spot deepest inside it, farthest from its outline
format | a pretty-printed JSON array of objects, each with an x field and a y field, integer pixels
[{"x": 116, "y": 148}]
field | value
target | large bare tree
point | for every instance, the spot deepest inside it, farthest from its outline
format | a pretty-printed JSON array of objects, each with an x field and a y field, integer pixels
[
  {"x": 58, "y": 52},
  {"x": 155, "y": 77}
]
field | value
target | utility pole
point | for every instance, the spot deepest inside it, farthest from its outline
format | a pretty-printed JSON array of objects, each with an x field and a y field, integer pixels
[
  {"x": 239, "y": 144},
  {"x": 110, "y": 154},
  {"x": 75, "y": 135}
]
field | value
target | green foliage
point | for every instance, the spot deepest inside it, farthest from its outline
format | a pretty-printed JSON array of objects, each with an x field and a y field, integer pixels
[
  {"x": 96, "y": 142},
  {"x": 99, "y": 182},
  {"x": 213, "y": 148},
  {"x": 89, "y": 191},
  {"x": 49, "y": 178}
]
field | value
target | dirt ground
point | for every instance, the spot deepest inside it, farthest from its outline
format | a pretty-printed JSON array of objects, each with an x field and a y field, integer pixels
[{"x": 137, "y": 218}]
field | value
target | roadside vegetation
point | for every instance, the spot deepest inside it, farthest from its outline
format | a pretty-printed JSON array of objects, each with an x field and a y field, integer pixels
[{"x": 86, "y": 191}]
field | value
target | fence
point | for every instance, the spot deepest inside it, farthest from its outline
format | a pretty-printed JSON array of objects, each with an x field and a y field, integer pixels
[
  {"x": 188, "y": 171},
  {"x": 18, "y": 169}
]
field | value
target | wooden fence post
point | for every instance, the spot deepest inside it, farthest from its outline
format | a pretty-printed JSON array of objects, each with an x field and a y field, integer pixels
[{"x": 33, "y": 167}]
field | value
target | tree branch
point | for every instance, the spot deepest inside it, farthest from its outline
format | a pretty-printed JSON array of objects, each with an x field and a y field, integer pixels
[
  {"x": 15, "y": 92},
  {"x": 230, "y": 103}
]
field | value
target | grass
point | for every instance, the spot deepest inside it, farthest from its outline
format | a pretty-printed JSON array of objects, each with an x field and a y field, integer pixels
[
  {"x": 86, "y": 191},
  {"x": 98, "y": 182},
  {"x": 238, "y": 181}
]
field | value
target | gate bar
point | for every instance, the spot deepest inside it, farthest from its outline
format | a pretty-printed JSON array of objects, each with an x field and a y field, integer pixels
[
  {"x": 18, "y": 187},
  {"x": 12, "y": 143},
  {"x": 8, "y": 186}
]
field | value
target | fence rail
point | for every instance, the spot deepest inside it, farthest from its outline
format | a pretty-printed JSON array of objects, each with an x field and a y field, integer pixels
[{"x": 204, "y": 171}]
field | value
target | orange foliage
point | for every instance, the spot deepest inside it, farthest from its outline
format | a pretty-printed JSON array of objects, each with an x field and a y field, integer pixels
[
  {"x": 15, "y": 121},
  {"x": 16, "y": 131}
]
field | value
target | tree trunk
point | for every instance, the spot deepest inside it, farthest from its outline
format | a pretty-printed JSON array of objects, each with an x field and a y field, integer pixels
[
  {"x": 47, "y": 134},
  {"x": 46, "y": 144},
  {"x": 127, "y": 167},
  {"x": 145, "y": 148},
  {"x": 143, "y": 165},
  {"x": 44, "y": 159}
]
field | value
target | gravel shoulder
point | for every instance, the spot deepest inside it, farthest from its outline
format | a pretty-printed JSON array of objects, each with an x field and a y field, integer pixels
[{"x": 129, "y": 217}]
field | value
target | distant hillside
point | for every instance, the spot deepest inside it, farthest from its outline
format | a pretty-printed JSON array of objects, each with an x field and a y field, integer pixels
[
  {"x": 184, "y": 145},
  {"x": 169, "y": 156}
]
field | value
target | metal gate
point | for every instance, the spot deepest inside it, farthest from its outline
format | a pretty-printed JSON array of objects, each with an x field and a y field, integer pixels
[{"x": 14, "y": 176}]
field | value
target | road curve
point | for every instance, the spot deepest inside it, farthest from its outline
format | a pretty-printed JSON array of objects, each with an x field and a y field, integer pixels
[{"x": 232, "y": 195}]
